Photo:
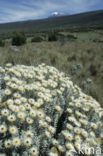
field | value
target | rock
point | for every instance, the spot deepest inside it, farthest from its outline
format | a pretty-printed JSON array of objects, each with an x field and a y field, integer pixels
[{"x": 14, "y": 49}]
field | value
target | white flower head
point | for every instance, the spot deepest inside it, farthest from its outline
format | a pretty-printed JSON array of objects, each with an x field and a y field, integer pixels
[
  {"x": 13, "y": 129},
  {"x": 16, "y": 142},
  {"x": 27, "y": 142},
  {"x": 4, "y": 112},
  {"x": 3, "y": 128},
  {"x": 33, "y": 151},
  {"x": 7, "y": 143},
  {"x": 11, "y": 118},
  {"x": 7, "y": 92}
]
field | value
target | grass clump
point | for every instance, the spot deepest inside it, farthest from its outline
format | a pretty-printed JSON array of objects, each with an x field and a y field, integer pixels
[{"x": 18, "y": 39}]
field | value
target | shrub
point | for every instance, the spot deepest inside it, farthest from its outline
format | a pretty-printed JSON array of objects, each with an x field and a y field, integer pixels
[
  {"x": 18, "y": 39},
  {"x": 2, "y": 43},
  {"x": 71, "y": 37},
  {"x": 37, "y": 39},
  {"x": 52, "y": 37},
  {"x": 43, "y": 113}
]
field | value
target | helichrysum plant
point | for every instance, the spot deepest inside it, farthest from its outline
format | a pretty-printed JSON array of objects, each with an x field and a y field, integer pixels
[{"x": 42, "y": 113}]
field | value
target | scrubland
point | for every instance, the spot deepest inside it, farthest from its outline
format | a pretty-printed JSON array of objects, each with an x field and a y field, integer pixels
[{"x": 65, "y": 54}]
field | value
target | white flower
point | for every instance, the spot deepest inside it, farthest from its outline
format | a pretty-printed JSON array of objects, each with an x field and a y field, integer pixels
[
  {"x": 43, "y": 124},
  {"x": 40, "y": 94},
  {"x": 11, "y": 118},
  {"x": 21, "y": 115},
  {"x": 4, "y": 112},
  {"x": 69, "y": 110},
  {"x": 47, "y": 134},
  {"x": 3, "y": 128},
  {"x": 40, "y": 101},
  {"x": 29, "y": 120},
  {"x": 27, "y": 142},
  {"x": 16, "y": 95},
  {"x": 55, "y": 142},
  {"x": 93, "y": 126},
  {"x": 69, "y": 136},
  {"x": 69, "y": 146},
  {"x": 7, "y": 92},
  {"x": 61, "y": 148},
  {"x": 17, "y": 102},
  {"x": 33, "y": 151},
  {"x": 69, "y": 153},
  {"x": 32, "y": 113},
  {"x": 14, "y": 86},
  {"x": 58, "y": 108},
  {"x": 29, "y": 134},
  {"x": 48, "y": 119},
  {"x": 69, "y": 126},
  {"x": 16, "y": 142},
  {"x": 27, "y": 106},
  {"x": 37, "y": 104},
  {"x": 84, "y": 133},
  {"x": 23, "y": 99},
  {"x": 83, "y": 122},
  {"x": 21, "y": 108},
  {"x": 53, "y": 152},
  {"x": 77, "y": 130},
  {"x": 7, "y": 143},
  {"x": 51, "y": 129},
  {"x": 15, "y": 109},
  {"x": 21, "y": 88},
  {"x": 72, "y": 119},
  {"x": 10, "y": 101},
  {"x": 8, "y": 65},
  {"x": 13, "y": 129},
  {"x": 31, "y": 101},
  {"x": 6, "y": 78},
  {"x": 40, "y": 114}
]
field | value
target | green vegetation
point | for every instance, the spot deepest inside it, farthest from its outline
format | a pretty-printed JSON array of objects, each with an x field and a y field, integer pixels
[
  {"x": 18, "y": 39},
  {"x": 71, "y": 37},
  {"x": 37, "y": 38},
  {"x": 2, "y": 43},
  {"x": 52, "y": 36}
]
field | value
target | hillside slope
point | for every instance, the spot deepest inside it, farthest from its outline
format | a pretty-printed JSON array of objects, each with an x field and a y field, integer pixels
[{"x": 94, "y": 19}]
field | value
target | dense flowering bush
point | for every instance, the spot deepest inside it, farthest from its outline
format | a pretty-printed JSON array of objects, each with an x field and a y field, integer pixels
[{"x": 42, "y": 113}]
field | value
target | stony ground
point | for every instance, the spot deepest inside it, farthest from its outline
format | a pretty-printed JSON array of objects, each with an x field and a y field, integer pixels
[{"x": 86, "y": 53}]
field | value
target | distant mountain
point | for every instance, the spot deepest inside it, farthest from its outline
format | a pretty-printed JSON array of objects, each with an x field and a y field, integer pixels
[
  {"x": 56, "y": 14},
  {"x": 89, "y": 19}
]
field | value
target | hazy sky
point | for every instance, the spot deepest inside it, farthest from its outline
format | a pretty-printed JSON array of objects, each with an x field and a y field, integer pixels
[{"x": 18, "y": 10}]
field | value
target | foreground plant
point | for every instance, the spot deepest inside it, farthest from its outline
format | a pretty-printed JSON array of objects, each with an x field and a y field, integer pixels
[{"x": 42, "y": 113}]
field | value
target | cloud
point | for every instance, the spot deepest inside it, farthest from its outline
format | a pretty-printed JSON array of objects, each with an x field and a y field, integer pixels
[{"x": 18, "y": 10}]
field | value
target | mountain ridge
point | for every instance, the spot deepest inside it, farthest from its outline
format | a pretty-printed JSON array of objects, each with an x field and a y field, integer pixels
[{"x": 82, "y": 19}]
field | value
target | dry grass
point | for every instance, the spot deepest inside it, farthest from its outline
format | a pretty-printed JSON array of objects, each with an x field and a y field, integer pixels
[{"x": 63, "y": 56}]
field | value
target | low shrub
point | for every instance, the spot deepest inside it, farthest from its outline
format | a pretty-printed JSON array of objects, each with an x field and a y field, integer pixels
[
  {"x": 52, "y": 37},
  {"x": 37, "y": 39},
  {"x": 2, "y": 43},
  {"x": 71, "y": 37},
  {"x": 18, "y": 39}
]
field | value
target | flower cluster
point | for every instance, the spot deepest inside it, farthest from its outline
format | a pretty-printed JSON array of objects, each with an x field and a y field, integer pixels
[{"x": 43, "y": 113}]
